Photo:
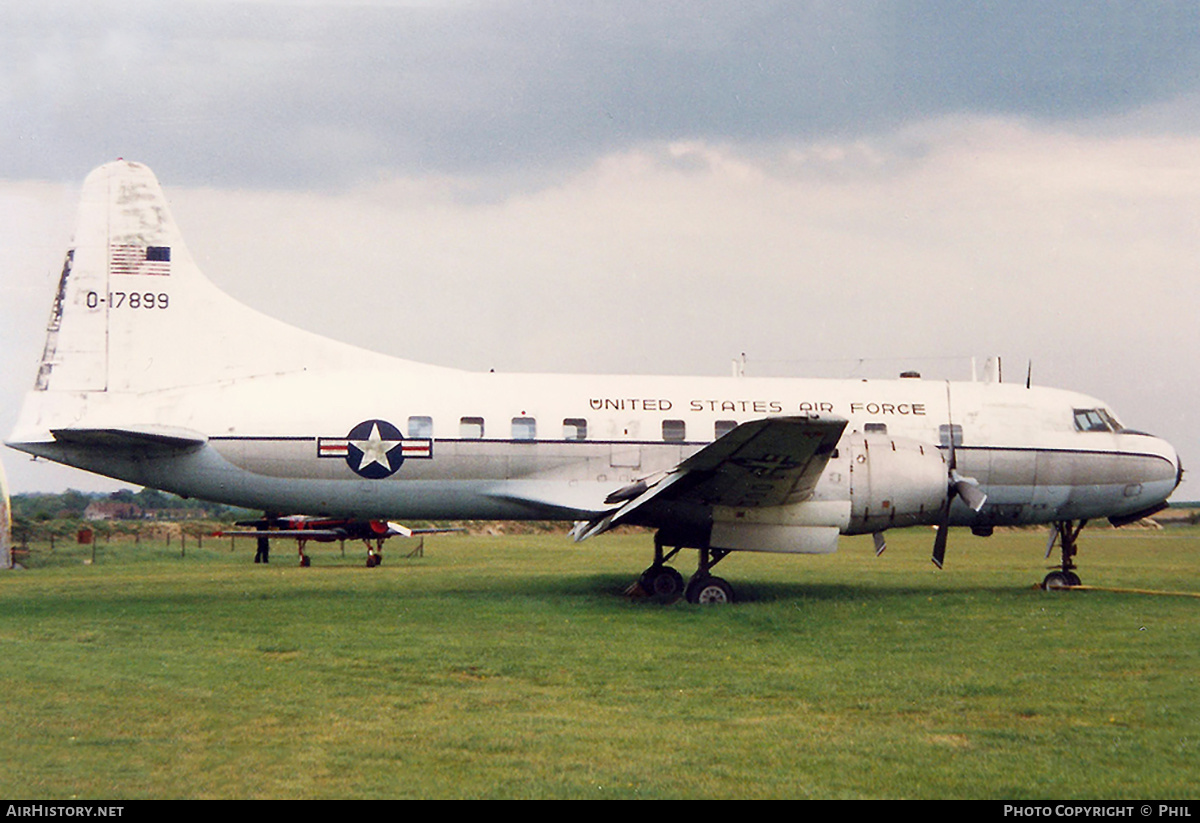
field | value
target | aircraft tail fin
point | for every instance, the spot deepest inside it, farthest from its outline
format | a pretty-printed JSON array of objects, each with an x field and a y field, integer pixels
[{"x": 134, "y": 313}]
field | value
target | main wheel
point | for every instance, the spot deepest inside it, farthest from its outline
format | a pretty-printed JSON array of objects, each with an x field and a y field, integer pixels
[
  {"x": 662, "y": 583},
  {"x": 707, "y": 590}
]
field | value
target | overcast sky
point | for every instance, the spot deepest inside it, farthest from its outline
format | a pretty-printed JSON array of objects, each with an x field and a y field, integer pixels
[{"x": 835, "y": 189}]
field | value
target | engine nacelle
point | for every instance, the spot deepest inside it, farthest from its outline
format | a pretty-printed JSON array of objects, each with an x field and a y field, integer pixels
[{"x": 894, "y": 482}]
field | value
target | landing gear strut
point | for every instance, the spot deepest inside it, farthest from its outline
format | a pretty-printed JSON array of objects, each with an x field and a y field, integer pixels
[
  {"x": 1066, "y": 533},
  {"x": 374, "y": 553},
  {"x": 661, "y": 581},
  {"x": 705, "y": 587},
  {"x": 665, "y": 584}
]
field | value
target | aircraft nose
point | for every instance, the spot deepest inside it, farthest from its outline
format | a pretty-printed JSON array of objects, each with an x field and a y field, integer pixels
[
  {"x": 1161, "y": 469},
  {"x": 1173, "y": 465}
]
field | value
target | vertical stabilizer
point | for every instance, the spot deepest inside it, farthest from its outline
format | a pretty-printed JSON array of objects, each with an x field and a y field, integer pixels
[
  {"x": 118, "y": 282},
  {"x": 133, "y": 312}
]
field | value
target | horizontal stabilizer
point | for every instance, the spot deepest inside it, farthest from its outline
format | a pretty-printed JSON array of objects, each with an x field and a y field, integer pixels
[{"x": 145, "y": 439}]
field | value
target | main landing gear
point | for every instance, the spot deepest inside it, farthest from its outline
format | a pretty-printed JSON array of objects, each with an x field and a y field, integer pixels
[
  {"x": 665, "y": 584},
  {"x": 1066, "y": 533}
]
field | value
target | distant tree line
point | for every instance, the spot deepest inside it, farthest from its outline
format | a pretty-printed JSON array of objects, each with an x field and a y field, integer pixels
[{"x": 150, "y": 504}]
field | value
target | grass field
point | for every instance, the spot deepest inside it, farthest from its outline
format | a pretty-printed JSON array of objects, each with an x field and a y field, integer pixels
[{"x": 513, "y": 667}]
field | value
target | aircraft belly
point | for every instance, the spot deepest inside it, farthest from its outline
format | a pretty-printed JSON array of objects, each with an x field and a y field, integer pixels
[{"x": 210, "y": 476}]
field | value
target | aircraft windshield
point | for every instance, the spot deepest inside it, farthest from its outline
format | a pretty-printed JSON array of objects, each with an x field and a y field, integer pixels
[{"x": 1096, "y": 420}]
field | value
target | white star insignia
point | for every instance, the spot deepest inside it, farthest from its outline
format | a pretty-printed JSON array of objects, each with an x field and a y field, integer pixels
[{"x": 375, "y": 449}]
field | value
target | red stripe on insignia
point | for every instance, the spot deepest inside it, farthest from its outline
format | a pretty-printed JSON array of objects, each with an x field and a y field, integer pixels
[{"x": 335, "y": 448}]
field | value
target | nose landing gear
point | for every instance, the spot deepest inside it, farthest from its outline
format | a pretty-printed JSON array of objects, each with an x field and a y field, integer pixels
[{"x": 1066, "y": 534}]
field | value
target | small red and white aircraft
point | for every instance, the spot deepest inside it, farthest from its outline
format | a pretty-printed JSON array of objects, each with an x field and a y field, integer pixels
[
  {"x": 152, "y": 375},
  {"x": 304, "y": 528}
]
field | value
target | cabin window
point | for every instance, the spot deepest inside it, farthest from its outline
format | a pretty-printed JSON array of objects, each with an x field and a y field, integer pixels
[
  {"x": 674, "y": 431},
  {"x": 1095, "y": 420},
  {"x": 524, "y": 428},
  {"x": 419, "y": 426},
  {"x": 470, "y": 428},
  {"x": 881, "y": 428},
  {"x": 724, "y": 427},
  {"x": 947, "y": 431},
  {"x": 574, "y": 428}
]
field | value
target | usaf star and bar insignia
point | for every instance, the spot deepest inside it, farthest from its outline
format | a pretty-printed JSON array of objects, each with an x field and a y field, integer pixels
[{"x": 375, "y": 449}]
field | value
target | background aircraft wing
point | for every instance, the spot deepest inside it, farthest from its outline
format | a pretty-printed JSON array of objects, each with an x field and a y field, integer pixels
[
  {"x": 770, "y": 462},
  {"x": 323, "y": 535},
  {"x": 327, "y": 530}
]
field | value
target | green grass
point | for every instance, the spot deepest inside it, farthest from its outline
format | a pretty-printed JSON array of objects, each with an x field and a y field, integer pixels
[{"x": 515, "y": 667}]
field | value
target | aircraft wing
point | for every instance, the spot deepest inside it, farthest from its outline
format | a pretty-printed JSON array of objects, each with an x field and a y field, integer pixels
[
  {"x": 322, "y": 535},
  {"x": 351, "y": 530},
  {"x": 768, "y": 462}
]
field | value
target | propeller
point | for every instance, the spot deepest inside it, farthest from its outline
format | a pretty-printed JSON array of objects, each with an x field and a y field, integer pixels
[{"x": 965, "y": 488}]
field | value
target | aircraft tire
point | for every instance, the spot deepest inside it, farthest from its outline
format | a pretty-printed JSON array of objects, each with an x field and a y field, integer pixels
[
  {"x": 663, "y": 583},
  {"x": 1057, "y": 580},
  {"x": 709, "y": 591}
]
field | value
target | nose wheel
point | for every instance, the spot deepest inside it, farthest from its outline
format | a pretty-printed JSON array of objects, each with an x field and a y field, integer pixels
[{"x": 1066, "y": 534}]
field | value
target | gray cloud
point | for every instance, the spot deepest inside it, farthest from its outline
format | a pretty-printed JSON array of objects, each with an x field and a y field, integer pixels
[{"x": 285, "y": 94}]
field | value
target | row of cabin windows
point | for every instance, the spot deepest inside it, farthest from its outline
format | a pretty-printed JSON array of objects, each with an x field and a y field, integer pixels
[
  {"x": 573, "y": 428},
  {"x": 675, "y": 431}
]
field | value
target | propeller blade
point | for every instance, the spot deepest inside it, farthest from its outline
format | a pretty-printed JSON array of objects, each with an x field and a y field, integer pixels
[
  {"x": 880, "y": 543},
  {"x": 943, "y": 533},
  {"x": 939, "y": 543},
  {"x": 968, "y": 489}
]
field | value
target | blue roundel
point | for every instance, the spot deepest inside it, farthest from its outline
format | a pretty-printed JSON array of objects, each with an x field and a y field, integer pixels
[{"x": 374, "y": 449}]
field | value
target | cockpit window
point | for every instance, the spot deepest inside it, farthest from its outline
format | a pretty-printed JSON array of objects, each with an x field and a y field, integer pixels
[{"x": 1095, "y": 420}]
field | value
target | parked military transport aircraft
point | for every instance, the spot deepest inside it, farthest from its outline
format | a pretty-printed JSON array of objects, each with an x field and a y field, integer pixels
[{"x": 152, "y": 375}]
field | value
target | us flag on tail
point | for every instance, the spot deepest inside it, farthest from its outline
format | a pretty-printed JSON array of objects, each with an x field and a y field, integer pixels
[{"x": 125, "y": 258}]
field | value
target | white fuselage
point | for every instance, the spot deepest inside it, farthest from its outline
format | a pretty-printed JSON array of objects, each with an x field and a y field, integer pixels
[{"x": 553, "y": 446}]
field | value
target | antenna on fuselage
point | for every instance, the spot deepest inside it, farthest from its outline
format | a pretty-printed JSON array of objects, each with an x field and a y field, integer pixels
[
  {"x": 992, "y": 371},
  {"x": 1029, "y": 374}
]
